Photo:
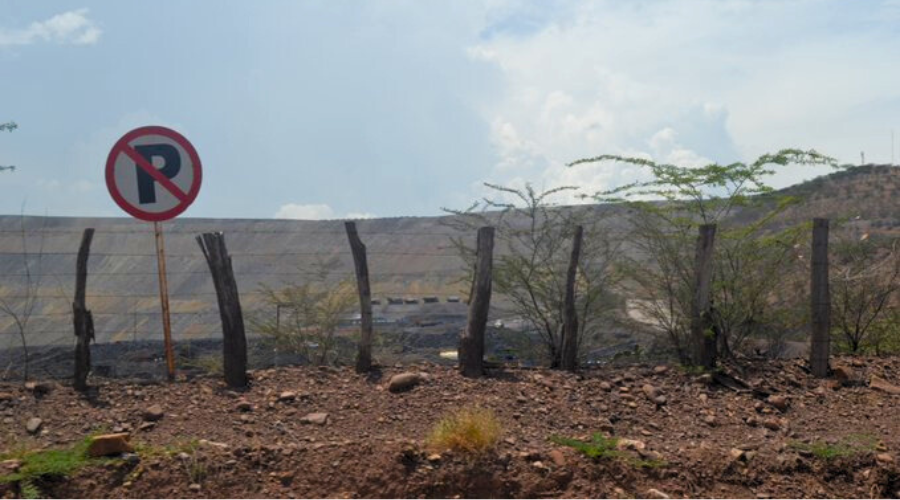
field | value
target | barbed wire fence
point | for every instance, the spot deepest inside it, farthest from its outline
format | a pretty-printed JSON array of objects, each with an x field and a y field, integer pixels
[{"x": 122, "y": 291}]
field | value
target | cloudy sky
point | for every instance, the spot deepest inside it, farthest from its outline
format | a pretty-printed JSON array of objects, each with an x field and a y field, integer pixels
[{"x": 329, "y": 108}]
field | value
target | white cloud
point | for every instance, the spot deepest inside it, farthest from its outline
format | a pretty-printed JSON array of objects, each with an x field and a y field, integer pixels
[
  {"x": 69, "y": 28},
  {"x": 687, "y": 82},
  {"x": 315, "y": 211}
]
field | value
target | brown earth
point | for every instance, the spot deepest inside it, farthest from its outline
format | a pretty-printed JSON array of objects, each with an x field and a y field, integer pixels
[{"x": 701, "y": 437}]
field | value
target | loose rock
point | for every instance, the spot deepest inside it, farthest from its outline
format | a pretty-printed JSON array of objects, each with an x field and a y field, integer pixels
[
  {"x": 154, "y": 413},
  {"x": 655, "y": 493},
  {"x": 315, "y": 418},
  {"x": 772, "y": 424},
  {"x": 650, "y": 391},
  {"x": 33, "y": 425},
  {"x": 110, "y": 444},
  {"x": 39, "y": 388},
  {"x": 404, "y": 381},
  {"x": 779, "y": 402},
  {"x": 558, "y": 458},
  {"x": 11, "y": 465},
  {"x": 630, "y": 444},
  {"x": 883, "y": 385},
  {"x": 843, "y": 373}
]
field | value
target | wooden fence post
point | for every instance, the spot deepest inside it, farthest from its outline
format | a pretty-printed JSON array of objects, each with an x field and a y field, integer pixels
[
  {"x": 471, "y": 343},
  {"x": 234, "y": 341},
  {"x": 84, "y": 320},
  {"x": 569, "y": 348},
  {"x": 364, "y": 354},
  {"x": 703, "y": 337},
  {"x": 820, "y": 301}
]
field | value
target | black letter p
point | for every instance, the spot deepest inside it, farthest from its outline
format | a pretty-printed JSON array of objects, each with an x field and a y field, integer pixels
[{"x": 171, "y": 167}]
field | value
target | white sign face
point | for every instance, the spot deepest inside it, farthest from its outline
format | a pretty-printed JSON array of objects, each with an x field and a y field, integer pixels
[{"x": 153, "y": 173}]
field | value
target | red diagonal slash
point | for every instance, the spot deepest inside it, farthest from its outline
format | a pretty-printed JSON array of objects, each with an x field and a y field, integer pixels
[{"x": 150, "y": 169}]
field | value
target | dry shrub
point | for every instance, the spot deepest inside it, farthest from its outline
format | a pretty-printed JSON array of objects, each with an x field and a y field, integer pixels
[{"x": 468, "y": 430}]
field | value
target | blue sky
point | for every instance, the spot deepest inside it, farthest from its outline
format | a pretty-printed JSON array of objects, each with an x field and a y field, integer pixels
[{"x": 321, "y": 109}]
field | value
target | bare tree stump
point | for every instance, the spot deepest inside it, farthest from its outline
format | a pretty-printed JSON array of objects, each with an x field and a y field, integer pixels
[
  {"x": 569, "y": 348},
  {"x": 83, "y": 319},
  {"x": 820, "y": 296},
  {"x": 471, "y": 343},
  {"x": 364, "y": 355},
  {"x": 703, "y": 337},
  {"x": 234, "y": 341}
]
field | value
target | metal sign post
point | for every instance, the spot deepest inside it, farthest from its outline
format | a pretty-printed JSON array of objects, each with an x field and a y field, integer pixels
[
  {"x": 154, "y": 174},
  {"x": 164, "y": 299}
]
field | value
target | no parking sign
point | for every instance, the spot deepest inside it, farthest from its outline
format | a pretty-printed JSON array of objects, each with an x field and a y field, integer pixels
[{"x": 153, "y": 173}]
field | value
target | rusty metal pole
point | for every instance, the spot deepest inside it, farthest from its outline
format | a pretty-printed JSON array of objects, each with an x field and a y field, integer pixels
[{"x": 164, "y": 300}]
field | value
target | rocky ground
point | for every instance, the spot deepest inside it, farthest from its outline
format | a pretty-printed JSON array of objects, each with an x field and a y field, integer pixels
[{"x": 767, "y": 430}]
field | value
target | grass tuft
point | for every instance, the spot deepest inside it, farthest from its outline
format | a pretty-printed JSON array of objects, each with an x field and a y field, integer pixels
[
  {"x": 469, "y": 430},
  {"x": 46, "y": 464},
  {"x": 853, "y": 444},
  {"x": 599, "y": 447}
]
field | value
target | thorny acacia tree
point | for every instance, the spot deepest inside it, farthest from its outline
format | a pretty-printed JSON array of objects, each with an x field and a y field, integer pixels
[
  {"x": 308, "y": 316},
  {"x": 532, "y": 251},
  {"x": 864, "y": 280},
  {"x": 753, "y": 261}
]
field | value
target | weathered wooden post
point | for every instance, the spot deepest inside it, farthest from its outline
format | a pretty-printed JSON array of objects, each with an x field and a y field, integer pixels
[
  {"x": 569, "y": 348},
  {"x": 84, "y": 320},
  {"x": 703, "y": 337},
  {"x": 234, "y": 341},
  {"x": 820, "y": 301},
  {"x": 364, "y": 354},
  {"x": 471, "y": 343}
]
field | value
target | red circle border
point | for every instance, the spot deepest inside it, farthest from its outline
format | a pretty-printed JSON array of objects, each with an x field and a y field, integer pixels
[{"x": 114, "y": 189}]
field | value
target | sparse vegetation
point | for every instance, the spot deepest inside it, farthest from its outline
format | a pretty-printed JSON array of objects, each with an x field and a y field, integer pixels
[
  {"x": 864, "y": 283},
  {"x": 307, "y": 316},
  {"x": 469, "y": 430},
  {"x": 598, "y": 448},
  {"x": 209, "y": 364},
  {"x": 46, "y": 464},
  {"x": 751, "y": 261},
  {"x": 849, "y": 446},
  {"x": 536, "y": 237}
]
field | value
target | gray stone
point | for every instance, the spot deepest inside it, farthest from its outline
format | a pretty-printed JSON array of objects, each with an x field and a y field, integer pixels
[{"x": 33, "y": 425}]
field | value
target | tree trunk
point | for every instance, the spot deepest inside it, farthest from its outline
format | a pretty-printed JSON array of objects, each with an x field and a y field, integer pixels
[
  {"x": 471, "y": 344},
  {"x": 234, "y": 341},
  {"x": 364, "y": 355},
  {"x": 703, "y": 336},
  {"x": 820, "y": 301},
  {"x": 569, "y": 350},
  {"x": 84, "y": 321}
]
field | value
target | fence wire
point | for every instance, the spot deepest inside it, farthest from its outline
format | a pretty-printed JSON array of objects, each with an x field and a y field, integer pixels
[{"x": 416, "y": 276}]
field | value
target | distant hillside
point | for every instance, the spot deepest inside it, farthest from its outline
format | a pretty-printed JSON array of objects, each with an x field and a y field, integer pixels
[{"x": 867, "y": 196}]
